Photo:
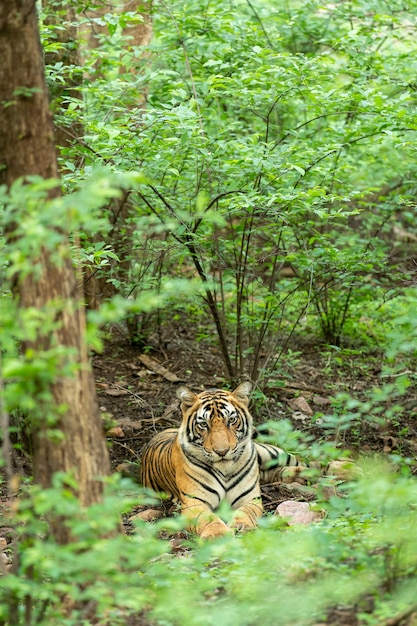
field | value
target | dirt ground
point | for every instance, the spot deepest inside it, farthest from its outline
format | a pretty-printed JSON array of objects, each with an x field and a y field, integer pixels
[{"x": 137, "y": 393}]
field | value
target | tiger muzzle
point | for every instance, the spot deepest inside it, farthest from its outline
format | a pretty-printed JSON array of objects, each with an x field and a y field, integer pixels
[
  {"x": 221, "y": 452},
  {"x": 221, "y": 442}
]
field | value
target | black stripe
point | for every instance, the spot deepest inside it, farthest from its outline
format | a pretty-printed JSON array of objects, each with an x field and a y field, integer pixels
[
  {"x": 191, "y": 457},
  {"x": 276, "y": 454},
  {"x": 206, "y": 487},
  {"x": 163, "y": 445},
  {"x": 189, "y": 431},
  {"x": 243, "y": 472},
  {"x": 273, "y": 452},
  {"x": 245, "y": 493},
  {"x": 208, "y": 469},
  {"x": 189, "y": 495}
]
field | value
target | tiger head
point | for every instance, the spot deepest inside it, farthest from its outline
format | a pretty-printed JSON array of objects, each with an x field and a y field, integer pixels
[{"x": 216, "y": 424}]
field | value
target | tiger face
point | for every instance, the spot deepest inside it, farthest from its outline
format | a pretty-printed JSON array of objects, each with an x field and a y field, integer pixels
[{"x": 216, "y": 426}]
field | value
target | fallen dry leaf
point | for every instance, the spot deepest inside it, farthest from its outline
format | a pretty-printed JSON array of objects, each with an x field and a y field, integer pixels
[
  {"x": 149, "y": 515},
  {"x": 115, "y": 432},
  {"x": 301, "y": 404},
  {"x": 171, "y": 410},
  {"x": 321, "y": 401},
  {"x": 114, "y": 391},
  {"x": 140, "y": 373},
  {"x": 159, "y": 369}
]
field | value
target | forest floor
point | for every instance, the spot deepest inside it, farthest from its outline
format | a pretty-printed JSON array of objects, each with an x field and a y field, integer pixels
[
  {"x": 140, "y": 399},
  {"x": 137, "y": 392}
]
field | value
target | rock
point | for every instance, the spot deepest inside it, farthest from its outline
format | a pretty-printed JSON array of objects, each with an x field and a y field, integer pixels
[
  {"x": 301, "y": 417},
  {"x": 297, "y": 512}
]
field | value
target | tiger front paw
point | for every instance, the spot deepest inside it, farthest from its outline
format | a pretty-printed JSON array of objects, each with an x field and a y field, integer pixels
[
  {"x": 242, "y": 524},
  {"x": 215, "y": 529}
]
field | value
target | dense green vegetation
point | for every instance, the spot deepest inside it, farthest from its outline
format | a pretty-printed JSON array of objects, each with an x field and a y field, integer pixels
[
  {"x": 253, "y": 168},
  {"x": 271, "y": 138}
]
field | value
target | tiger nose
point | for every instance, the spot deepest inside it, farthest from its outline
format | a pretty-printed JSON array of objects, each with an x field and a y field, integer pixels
[{"x": 221, "y": 451}]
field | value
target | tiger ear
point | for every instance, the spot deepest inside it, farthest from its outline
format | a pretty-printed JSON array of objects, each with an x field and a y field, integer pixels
[
  {"x": 242, "y": 392},
  {"x": 186, "y": 396}
]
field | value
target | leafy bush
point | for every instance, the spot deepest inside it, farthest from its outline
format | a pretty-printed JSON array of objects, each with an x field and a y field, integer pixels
[
  {"x": 278, "y": 148},
  {"x": 362, "y": 554}
]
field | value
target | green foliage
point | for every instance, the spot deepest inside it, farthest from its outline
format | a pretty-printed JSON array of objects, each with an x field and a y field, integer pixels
[
  {"x": 46, "y": 576},
  {"x": 276, "y": 141},
  {"x": 37, "y": 224},
  {"x": 387, "y": 403},
  {"x": 288, "y": 125},
  {"x": 362, "y": 553},
  {"x": 277, "y": 145}
]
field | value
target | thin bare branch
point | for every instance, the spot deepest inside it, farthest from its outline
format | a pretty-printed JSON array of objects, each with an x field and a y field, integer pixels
[{"x": 6, "y": 447}]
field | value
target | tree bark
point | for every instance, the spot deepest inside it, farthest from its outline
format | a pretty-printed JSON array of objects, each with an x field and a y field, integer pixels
[{"x": 27, "y": 147}]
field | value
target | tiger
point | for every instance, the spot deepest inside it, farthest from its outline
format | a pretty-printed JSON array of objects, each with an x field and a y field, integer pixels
[{"x": 212, "y": 457}]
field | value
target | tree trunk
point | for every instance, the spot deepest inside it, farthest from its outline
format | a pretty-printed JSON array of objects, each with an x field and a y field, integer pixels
[{"x": 27, "y": 147}]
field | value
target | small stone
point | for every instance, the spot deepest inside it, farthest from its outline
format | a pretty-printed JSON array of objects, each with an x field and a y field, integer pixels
[
  {"x": 301, "y": 417},
  {"x": 297, "y": 512}
]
